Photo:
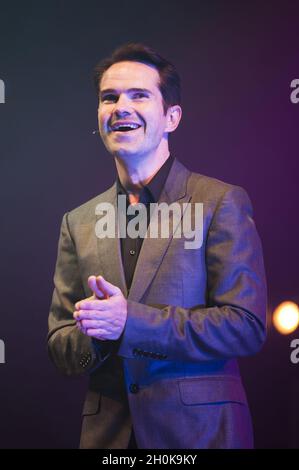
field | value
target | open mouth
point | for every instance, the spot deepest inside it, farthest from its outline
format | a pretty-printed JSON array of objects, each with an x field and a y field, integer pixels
[{"x": 128, "y": 127}]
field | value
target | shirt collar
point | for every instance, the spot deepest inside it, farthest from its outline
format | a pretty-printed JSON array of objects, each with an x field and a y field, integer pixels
[{"x": 155, "y": 186}]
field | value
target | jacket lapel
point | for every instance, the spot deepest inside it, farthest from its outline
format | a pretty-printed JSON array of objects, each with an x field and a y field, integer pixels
[
  {"x": 154, "y": 249},
  {"x": 109, "y": 250}
]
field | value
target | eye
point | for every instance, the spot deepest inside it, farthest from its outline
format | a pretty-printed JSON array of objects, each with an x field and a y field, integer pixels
[
  {"x": 109, "y": 98},
  {"x": 139, "y": 95}
]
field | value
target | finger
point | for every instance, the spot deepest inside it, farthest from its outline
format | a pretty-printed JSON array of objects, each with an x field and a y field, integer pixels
[
  {"x": 96, "y": 304},
  {"x": 87, "y": 324},
  {"x": 97, "y": 333},
  {"x": 101, "y": 286},
  {"x": 80, "y": 327},
  {"x": 77, "y": 304},
  {"x": 106, "y": 287},
  {"x": 92, "y": 282},
  {"x": 89, "y": 315}
]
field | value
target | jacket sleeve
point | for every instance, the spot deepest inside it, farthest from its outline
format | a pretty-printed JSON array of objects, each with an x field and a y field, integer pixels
[
  {"x": 71, "y": 351},
  {"x": 232, "y": 322}
]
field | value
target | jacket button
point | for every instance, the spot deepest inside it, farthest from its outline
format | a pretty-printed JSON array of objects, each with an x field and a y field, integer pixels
[
  {"x": 134, "y": 388},
  {"x": 136, "y": 352}
]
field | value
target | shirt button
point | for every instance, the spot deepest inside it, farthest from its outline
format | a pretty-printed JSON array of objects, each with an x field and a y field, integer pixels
[{"x": 132, "y": 252}]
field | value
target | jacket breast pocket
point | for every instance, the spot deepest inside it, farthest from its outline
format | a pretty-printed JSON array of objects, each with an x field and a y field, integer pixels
[
  {"x": 92, "y": 403},
  {"x": 211, "y": 390}
]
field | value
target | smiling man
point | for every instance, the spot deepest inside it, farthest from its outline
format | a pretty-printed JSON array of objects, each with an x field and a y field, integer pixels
[
  {"x": 157, "y": 327},
  {"x": 134, "y": 122}
]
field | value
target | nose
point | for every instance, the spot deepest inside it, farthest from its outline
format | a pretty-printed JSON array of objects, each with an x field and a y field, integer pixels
[{"x": 123, "y": 106}]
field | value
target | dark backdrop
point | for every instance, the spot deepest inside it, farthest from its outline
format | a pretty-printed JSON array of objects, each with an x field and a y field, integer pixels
[{"x": 236, "y": 60}]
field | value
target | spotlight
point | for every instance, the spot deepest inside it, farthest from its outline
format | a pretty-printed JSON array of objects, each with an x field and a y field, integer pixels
[{"x": 286, "y": 317}]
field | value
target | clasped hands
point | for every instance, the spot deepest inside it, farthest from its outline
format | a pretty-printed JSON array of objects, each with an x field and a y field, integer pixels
[{"x": 103, "y": 315}]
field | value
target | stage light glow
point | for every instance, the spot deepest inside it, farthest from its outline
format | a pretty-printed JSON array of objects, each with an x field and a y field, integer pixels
[{"x": 286, "y": 317}]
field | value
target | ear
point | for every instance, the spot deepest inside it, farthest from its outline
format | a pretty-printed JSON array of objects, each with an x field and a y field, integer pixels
[{"x": 173, "y": 116}]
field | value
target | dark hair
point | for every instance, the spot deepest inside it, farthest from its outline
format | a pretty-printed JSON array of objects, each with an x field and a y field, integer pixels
[{"x": 169, "y": 84}]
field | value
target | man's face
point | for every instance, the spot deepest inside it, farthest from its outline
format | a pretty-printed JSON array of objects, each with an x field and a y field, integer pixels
[{"x": 131, "y": 115}]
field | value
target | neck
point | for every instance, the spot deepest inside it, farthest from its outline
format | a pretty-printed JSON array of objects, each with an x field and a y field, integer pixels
[{"x": 136, "y": 172}]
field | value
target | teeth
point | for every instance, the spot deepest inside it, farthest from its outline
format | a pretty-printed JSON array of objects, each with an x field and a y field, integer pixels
[{"x": 125, "y": 126}]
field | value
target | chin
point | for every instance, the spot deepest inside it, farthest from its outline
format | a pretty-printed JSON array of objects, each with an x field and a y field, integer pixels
[{"x": 124, "y": 152}]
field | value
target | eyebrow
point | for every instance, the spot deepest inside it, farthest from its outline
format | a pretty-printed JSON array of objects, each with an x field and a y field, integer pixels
[{"x": 130, "y": 90}]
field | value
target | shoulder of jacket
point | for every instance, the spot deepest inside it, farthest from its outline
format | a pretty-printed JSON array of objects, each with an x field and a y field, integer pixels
[
  {"x": 207, "y": 187},
  {"x": 85, "y": 213}
]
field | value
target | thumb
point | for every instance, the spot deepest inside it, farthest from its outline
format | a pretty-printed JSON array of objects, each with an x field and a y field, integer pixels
[
  {"x": 106, "y": 287},
  {"x": 92, "y": 283}
]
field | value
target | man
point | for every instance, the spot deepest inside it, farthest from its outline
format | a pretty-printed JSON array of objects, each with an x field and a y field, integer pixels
[{"x": 157, "y": 326}]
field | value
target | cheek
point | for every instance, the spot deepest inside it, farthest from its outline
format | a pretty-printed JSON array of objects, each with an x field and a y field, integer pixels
[
  {"x": 155, "y": 126},
  {"x": 102, "y": 117}
]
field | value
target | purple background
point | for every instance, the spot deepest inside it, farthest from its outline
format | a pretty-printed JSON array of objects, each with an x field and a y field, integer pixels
[{"x": 236, "y": 60}]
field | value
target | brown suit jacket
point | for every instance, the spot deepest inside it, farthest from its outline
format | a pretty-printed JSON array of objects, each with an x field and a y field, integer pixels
[{"x": 173, "y": 374}]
